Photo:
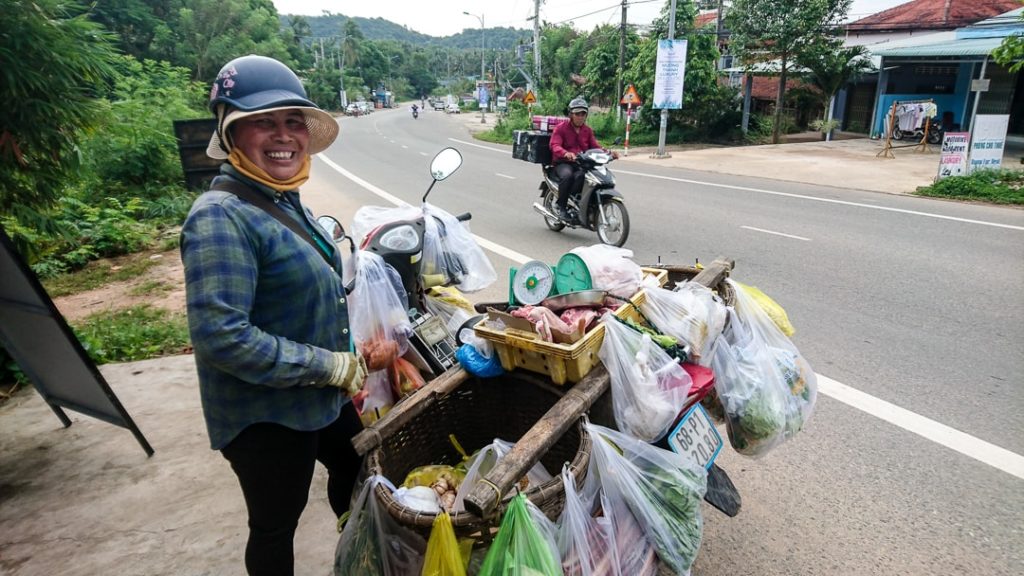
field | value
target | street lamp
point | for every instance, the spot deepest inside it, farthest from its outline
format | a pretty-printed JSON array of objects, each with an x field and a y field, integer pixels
[{"x": 482, "y": 78}]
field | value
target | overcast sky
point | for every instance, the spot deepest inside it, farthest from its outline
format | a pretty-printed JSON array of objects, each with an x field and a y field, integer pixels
[{"x": 445, "y": 17}]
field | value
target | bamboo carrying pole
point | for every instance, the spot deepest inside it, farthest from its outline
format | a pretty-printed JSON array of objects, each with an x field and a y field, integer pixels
[
  {"x": 407, "y": 409},
  {"x": 486, "y": 494}
]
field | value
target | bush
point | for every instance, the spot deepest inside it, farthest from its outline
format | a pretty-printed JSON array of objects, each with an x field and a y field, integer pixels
[
  {"x": 135, "y": 153},
  {"x": 997, "y": 186}
]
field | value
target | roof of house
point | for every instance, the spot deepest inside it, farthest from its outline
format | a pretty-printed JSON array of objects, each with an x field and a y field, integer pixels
[
  {"x": 932, "y": 15},
  {"x": 977, "y": 40},
  {"x": 705, "y": 18}
]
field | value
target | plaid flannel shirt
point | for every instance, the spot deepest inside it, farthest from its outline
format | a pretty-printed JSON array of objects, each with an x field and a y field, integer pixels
[{"x": 265, "y": 312}]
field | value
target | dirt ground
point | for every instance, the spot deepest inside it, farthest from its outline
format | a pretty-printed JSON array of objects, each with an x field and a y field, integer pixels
[{"x": 168, "y": 273}]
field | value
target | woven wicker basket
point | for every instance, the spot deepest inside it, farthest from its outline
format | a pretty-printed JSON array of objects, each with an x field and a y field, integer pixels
[
  {"x": 476, "y": 413},
  {"x": 686, "y": 273}
]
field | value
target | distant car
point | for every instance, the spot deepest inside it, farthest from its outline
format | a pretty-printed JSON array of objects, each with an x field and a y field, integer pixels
[
  {"x": 438, "y": 105},
  {"x": 453, "y": 109}
]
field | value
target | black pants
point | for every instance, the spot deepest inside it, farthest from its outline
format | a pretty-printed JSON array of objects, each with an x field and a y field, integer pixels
[
  {"x": 274, "y": 466},
  {"x": 570, "y": 180}
]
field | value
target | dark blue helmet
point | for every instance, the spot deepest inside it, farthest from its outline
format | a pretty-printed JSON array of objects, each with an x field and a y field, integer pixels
[{"x": 255, "y": 83}]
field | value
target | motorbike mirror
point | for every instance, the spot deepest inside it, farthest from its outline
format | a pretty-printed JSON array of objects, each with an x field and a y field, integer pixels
[
  {"x": 445, "y": 163},
  {"x": 333, "y": 227}
]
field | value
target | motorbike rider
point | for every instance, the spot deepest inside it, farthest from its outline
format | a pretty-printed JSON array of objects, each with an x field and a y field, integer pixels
[
  {"x": 567, "y": 141},
  {"x": 415, "y": 109},
  {"x": 267, "y": 309}
]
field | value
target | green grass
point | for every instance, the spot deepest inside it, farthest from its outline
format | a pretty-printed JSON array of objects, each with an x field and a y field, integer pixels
[
  {"x": 995, "y": 186},
  {"x": 150, "y": 287},
  {"x": 130, "y": 334},
  {"x": 97, "y": 274}
]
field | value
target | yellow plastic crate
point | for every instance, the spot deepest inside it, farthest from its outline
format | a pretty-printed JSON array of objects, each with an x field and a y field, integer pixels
[{"x": 518, "y": 349}]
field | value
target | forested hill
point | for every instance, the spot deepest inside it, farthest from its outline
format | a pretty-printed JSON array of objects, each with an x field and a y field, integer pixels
[{"x": 381, "y": 29}]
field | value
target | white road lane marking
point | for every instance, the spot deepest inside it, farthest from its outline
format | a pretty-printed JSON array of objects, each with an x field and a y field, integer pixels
[
  {"x": 393, "y": 199},
  {"x": 479, "y": 145},
  {"x": 829, "y": 200},
  {"x": 786, "y": 194},
  {"x": 424, "y": 154},
  {"x": 404, "y": 146},
  {"x": 776, "y": 233},
  {"x": 968, "y": 445},
  {"x": 504, "y": 175},
  {"x": 951, "y": 438}
]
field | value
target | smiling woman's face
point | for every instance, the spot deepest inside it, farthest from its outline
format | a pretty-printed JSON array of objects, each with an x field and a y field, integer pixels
[{"x": 275, "y": 141}]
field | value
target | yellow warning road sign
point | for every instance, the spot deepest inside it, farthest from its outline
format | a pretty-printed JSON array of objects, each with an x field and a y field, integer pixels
[
  {"x": 529, "y": 98},
  {"x": 631, "y": 97}
]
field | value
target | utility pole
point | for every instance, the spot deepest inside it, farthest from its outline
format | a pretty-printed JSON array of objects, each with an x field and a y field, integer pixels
[
  {"x": 483, "y": 72},
  {"x": 718, "y": 35},
  {"x": 664, "y": 111},
  {"x": 622, "y": 59},
  {"x": 536, "y": 44}
]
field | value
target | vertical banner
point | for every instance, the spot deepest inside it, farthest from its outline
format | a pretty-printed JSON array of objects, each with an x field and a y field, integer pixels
[
  {"x": 987, "y": 141},
  {"x": 953, "y": 160},
  {"x": 669, "y": 72}
]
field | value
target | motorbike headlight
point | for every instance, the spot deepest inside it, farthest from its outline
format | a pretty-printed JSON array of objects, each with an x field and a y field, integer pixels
[{"x": 402, "y": 238}]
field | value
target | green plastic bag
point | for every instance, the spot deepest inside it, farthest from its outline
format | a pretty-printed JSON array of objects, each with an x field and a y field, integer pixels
[
  {"x": 443, "y": 555},
  {"x": 520, "y": 549}
]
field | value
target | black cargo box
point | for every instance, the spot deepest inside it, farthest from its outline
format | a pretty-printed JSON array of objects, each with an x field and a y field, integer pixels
[{"x": 531, "y": 146}]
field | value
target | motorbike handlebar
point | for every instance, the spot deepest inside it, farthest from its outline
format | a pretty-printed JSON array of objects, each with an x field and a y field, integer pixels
[{"x": 464, "y": 217}]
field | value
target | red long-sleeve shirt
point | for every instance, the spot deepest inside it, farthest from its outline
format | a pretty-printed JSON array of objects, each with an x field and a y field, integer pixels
[{"x": 565, "y": 139}]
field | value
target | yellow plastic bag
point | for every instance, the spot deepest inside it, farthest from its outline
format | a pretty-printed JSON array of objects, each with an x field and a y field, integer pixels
[
  {"x": 443, "y": 556},
  {"x": 771, "y": 307}
]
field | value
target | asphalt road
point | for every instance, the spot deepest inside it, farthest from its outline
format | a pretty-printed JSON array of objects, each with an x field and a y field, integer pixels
[{"x": 914, "y": 302}]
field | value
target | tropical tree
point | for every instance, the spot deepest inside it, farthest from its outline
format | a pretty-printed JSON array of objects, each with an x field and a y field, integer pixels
[
  {"x": 830, "y": 67},
  {"x": 1011, "y": 51},
  {"x": 207, "y": 33},
  {"x": 51, "y": 70},
  {"x": 602, "y": 61},
  {"x": 778, "y": 31}
]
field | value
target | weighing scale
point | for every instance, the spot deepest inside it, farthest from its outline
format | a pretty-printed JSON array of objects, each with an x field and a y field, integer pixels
[{"x": 534, "y": 281}]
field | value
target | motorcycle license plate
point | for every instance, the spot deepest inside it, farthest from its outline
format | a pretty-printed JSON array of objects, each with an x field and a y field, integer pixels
[{"x": 696, "y": 437}]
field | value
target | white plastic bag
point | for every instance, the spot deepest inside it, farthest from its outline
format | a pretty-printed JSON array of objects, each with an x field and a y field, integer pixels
[
  {"x": 379, "y": 322},
  {"x": 372, "y": 543},
  {"x": 766, "y": 387},
  {"x": 451, "y": 254},
  {"x": 661, "y": 489},
  {"x": 481, "y": 463},
  {"x": 649, "y": 387},
  {"x": 368, "y": 218},
  {"x": 611, "y": 269},
  {"x": 582, "y": 542},
  {"x": 691, "y": 313}
]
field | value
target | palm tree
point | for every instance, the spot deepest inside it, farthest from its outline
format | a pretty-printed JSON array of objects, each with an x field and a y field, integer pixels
[{"x": 830, "y": 67}]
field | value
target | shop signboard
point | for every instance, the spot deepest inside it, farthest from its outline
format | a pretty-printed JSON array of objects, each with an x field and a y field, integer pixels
[
  {"x": 987, "y": 141},
  {"x": 953, "y": 159}
]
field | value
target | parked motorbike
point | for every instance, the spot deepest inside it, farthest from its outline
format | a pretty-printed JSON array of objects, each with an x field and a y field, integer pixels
[
  {"x": 400, "y": 244},
  {"x": 935, "y": 132},
  {"x": 598, "y": 206}
]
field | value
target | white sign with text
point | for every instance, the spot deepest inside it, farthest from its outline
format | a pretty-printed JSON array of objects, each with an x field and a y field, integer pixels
[
  {"x": 987, "y": 141},
  {"x": 670, "y": 71},
  {"x": 953, "y": 161}
]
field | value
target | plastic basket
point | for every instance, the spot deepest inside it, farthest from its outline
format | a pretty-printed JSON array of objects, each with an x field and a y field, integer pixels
[{"x": 561, "y": 363}]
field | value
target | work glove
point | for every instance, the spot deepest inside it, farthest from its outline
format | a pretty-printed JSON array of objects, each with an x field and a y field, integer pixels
[{"x": 349, "y": 372}]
